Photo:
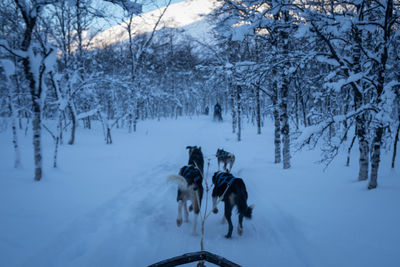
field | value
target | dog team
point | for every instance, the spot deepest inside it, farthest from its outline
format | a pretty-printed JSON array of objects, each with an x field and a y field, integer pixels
[{"x": 231, "y": 190}]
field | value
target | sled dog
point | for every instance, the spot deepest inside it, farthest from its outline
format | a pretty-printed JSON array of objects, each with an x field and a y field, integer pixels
[
  {"x": 190, "y": 188},
  {"x": 196, "y": 157},
  {"x": 225, "y": 157},
  {"x": 233, "y": 193}
]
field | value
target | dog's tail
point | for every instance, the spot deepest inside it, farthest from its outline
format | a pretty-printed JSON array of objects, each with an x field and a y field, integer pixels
[
  {"x": 179, "y": 180},
  {"x": 241, "y": 192}
]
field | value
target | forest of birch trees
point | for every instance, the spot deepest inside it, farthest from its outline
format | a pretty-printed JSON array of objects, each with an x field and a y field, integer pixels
[{"x": 326, "y": 72}]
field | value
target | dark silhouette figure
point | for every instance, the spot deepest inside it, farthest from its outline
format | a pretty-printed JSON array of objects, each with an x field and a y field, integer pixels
[
  {"x": 206, "y": 111},
  {"x": 217, "y": 112}
]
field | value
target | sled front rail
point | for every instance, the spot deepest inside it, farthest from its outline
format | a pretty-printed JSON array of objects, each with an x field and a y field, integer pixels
[{"x": 195, "y": 256}]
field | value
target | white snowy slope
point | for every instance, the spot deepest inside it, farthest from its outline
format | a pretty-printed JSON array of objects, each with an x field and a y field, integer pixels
[
  {"x": 110, "y": 205},
  {"x": 187, "y": 16}
]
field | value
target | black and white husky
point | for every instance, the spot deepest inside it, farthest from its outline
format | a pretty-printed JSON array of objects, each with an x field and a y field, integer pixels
[
  {"x": 225, "y": 157},
  {"x": 196, "y": 157},
  {"x": 190, "y": 186},
  {"x": 233, "y": 193}
]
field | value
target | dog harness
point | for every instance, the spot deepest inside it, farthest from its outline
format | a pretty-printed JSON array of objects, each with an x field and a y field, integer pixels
[
  {"x": 224, "y": 178},
  {"x": 190, "y": 173},
  {"x": 224, "y": 154}
]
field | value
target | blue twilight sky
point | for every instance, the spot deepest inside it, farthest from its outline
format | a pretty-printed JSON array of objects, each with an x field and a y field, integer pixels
[{"x": 116, "y": 13}]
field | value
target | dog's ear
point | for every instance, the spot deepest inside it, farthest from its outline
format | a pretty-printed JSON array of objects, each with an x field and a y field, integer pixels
[
  {"x": 213, "y": 178},
  {"x": 188, "y": 147},
  {"x": 200, "y": 148}
]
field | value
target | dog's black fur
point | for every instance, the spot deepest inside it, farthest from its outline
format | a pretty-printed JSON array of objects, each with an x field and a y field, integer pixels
[
  {"x": 236, "y": 194},
  {"x": 225, "y": 157},
  {"x": 190, "y": 185},
  {"x": 190, "y": 188},
  {"x": 193, "y": 178},
  {"x": 196, "y": 157}
]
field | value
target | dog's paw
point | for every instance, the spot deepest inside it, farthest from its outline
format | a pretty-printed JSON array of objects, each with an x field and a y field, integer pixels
[
  {"x": 178, "y": 222},
  {"x": 190, "y": 207},
  {"x": 240, "y": 230},
  {"x": 228, "y": 236},
  {"x": 215, "y": 210}
]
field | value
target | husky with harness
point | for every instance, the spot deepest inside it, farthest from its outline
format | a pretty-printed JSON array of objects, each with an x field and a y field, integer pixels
[
  {"x": 233, "y": 192},
  {"x": 190, "y": 186},
  {"x": 225, "y": 157},
  {"x": 196, "y": 157}
]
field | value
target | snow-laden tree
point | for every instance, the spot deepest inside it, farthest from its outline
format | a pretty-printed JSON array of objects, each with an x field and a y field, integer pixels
[
  {"x": 358, "y": 39},
  {"x": 37, "y": 59},
  {"x": 274, "y": 21}
]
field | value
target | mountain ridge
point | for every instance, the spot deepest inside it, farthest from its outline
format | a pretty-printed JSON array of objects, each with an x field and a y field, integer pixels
[{"x": 189, "y": 16}]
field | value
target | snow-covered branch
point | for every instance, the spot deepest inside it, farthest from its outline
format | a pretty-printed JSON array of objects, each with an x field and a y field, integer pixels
[{"x": 313, "y": 133}]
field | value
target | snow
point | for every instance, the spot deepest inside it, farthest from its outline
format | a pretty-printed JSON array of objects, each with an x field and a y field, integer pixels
[
  {"x": 87, "y": 114},
  {"x": 330, "y": 61},
  {"x": 302, "y": 31},
  {"x": 35, "y": 61},
  {"x": 51, "y": 60},
  {"x": 8, "y": 67},
  {"x": 241, "y": 31},
  {"x": 110, "y": 205}
]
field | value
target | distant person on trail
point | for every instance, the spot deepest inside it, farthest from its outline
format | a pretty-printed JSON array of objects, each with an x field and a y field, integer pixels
[
  {"x": 206, "y": 111},
  {"x": 217, "y": 112}
]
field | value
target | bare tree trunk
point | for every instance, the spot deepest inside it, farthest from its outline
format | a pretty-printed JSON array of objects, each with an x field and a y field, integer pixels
[
  {"x": 57, "y": 141},
  {"x": 35, "y": 89},
  {"x": 17, "y": 159},
  {"x": 233, "y": 109},
  {"x": 349, "y": 150},
  {"x": 131, "y": 53},
  {"x": 102, "y": 124},
  {"x": 258, "y": 110},
  {"x": 37, "y": 137},
  {"x": 364, "y": 159},
  {"x": 73, "y": 127},
  {"x": 375, "y": 159},
  {"x": 136, "y": 118},
  {"x": 303, "y": 107},
  {"x": 358, "y": 100},
  {"x": 36, "y": 121},
  {"x": 130, "y": 122},
  {"x": 362, "y": 138},
  {"x": 27, "y": 125},
  {"x": 106, "y": 128},
  {"x": 61, "y": 118},
  {"x": 376, "y": 153},
  {"x": 284, "y": 120},
  {"x": 239, "y": 111},
  {"x": 396, "y": 139},
  {"x": 284, "y": 117},
  {"x": 108, "y": 139},
  {"x": 296, "y": 104},
  {"x": 277, "y": 140}
]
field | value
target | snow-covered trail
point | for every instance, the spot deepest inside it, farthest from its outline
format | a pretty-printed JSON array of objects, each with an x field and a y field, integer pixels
[{"x": 111, "y": 205}]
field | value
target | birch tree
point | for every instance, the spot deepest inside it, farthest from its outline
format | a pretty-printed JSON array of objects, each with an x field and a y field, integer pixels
[
  {"x": 36, "y": 63},
  {"x": 9, "y": 71}
]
